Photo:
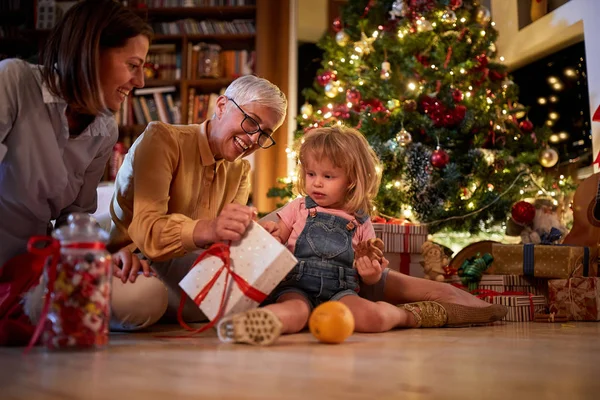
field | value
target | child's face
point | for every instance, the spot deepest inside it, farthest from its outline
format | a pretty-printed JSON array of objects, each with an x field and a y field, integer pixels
[{"x": 326, "y": 184}]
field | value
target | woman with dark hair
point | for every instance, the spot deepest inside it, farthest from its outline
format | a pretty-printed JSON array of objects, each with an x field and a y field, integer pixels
[{"x": 57, "y": 128}]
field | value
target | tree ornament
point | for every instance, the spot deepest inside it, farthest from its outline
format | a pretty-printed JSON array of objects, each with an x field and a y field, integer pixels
[
  {"x": 386, "y": 70},
  {"x": 332, "y": 89},
  {"x": 523, "y": 212},
  {"x": 324, "y": 78},
  {"x": 548, "y": 157},
  {"x": 306, "y": 109},
  {"x": 439, "y": 158},
  {"x": 526, "y": 126},
  {"x": 424, "y": 25},
  {"x": 337, "y": 24},
  {"x": 397, "y": 9},
  {"x": 454, "y": 4},
  {"x": 404, "y": 138},
  {"x": 365, "y": 44},
  {"x": 342, "y": 38},
  {"x": 409, "y": 105},
  {"x": 449, "y": 17},
  {"x": 492, "y": 47},
  {"x": 482, "y": 16},
  {"x": 353, "y": 96},
  {"x": 393, "y": 103},
  {"x": 457, "y": 95}
]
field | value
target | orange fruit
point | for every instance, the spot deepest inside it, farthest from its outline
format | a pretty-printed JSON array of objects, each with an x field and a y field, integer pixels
[{"x": 331, "y": 322}]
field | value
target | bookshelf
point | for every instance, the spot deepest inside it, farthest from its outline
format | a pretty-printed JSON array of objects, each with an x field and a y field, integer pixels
[{"x": 269, "y": 41}]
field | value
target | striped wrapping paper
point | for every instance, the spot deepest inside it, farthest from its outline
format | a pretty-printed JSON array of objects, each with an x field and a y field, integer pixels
[
  {"x": 509, "y": 283},
  {"x": 401, "y": 238},
  {"x": 519, "y": 307}
]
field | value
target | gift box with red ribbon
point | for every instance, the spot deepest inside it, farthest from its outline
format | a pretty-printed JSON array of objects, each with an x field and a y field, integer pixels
[
  {"x": 578, "y": 298},
  {"x": 403, "y": 245},
  {"x": 521, "y": 307},
  {"x": 228, "y": 279}
]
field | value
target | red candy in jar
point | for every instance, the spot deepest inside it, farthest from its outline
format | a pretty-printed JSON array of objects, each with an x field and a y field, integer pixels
[{"x": 78, "y": 289}]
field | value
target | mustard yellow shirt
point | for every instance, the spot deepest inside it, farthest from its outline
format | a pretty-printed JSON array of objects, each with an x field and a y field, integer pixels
[{"x": 168, "y": 181}]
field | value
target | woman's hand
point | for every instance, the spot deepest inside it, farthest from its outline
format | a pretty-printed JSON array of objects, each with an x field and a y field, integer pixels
[
  {"x": 126, "y": 266},
  {"x": 370, "y": 270},
  {"x": 230, "y": 224}
]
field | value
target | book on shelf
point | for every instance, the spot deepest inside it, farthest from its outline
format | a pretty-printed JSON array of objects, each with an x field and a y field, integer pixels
[
  {"x": 187, "y": 3},
  {"x": 206, "y": 27},
  {"x": 150, "y": 104},
  {"x": 163, "y": 62},
  {"x": 201, "y": 106}
]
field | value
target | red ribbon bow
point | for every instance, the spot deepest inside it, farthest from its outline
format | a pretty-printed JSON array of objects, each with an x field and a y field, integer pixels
[
  {"x": 51, "y": 249},
  {"x": 220, "y": 250}
]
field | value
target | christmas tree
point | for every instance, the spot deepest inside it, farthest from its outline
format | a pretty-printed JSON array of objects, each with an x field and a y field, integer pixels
[{"x": 422, "y": 81}]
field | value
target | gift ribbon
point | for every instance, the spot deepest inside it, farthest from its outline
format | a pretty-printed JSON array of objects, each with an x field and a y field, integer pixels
[
  {"x": 222, "y": 251},
  {"x": 483, "y": 293},
  {"x": 51, "y": 249},
  {"x": 529, "y": 260}
]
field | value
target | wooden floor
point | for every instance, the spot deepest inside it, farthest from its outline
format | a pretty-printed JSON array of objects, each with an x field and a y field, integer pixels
[{"x": 507, "y": 361}]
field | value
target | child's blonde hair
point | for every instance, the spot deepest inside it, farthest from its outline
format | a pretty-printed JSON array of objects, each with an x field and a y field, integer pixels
[{"x": 347, "y": 149}]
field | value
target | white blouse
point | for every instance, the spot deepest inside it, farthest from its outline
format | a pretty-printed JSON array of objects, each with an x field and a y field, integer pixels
[{"x": 44, "y": 174}]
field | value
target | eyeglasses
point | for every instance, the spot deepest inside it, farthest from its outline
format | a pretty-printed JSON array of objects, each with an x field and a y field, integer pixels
[{"x": 250, "y": 126}]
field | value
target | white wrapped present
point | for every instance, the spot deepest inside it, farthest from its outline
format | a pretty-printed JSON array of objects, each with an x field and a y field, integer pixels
[{"x": 257, "y": 264}]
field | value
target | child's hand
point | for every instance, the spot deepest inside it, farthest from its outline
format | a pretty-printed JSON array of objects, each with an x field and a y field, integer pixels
[
  {"x": 370, "y": 270},
  {"x": 273, "y": 228}
]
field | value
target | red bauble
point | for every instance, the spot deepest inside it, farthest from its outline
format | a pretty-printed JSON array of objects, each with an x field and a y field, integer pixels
[
  {"x": 337, "y": 24},
  {"x": 526, "y": 126},
  {"x": 523, "y": 212},
  {"x": 439, "y": 158},
  {"x": 353, "y": 96},
  {"x": 482, "y": 60},
  {"x": 457, "y": 95},
  {"x": 454, "y": 4},
  {"x": 497, "y": 76},
  {"x": 324, "y": 78}
]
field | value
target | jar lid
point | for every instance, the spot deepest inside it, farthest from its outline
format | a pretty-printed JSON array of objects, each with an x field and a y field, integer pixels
[{"x": 80, "y": 227}]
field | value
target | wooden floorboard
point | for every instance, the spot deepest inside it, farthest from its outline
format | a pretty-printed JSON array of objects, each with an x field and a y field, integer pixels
[{"x": 506, "y": 361}]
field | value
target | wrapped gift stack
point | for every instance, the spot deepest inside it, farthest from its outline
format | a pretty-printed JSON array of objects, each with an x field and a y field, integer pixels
[{"x": 403, "y": 243}]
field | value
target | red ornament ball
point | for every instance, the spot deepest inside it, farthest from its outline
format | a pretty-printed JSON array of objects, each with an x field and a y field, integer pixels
[
  {"x": 454, "y": 4},
  {"x": 353, "y": 96},
  {"x": 523, "y": 212},
  {"x": 324, "y": 78},
  {"x": 457, "y": 95},
  {"x": 439, "y": 158},
  {"x": 526, "y": 126},
  {"x": 337, "y": 24}
]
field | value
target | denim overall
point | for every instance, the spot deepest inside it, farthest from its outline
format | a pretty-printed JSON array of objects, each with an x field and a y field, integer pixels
[{"x": 326, "y": 258}]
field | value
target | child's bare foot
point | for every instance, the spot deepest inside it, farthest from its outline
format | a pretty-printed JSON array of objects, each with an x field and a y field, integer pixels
[{"x": 257, "y": 327}]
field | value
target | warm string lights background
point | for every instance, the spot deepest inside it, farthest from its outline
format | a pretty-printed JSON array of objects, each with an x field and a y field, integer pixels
[{"x": 422, "y": 80}]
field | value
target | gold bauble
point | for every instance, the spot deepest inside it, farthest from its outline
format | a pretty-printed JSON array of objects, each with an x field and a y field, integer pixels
[
  {"x": 548, "y": 157},
  {"x": 393, "y": 103},
  {"x": 482, "y": 16},
  {"x": 404, "y": 138},
  {"x": 306, "y": 109},
  {"x": 449, "y": 17},
  {"x": 342, "y": 38},
  {"x": 332, "y": 89},
  {"x": 424, "y": 25}
]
